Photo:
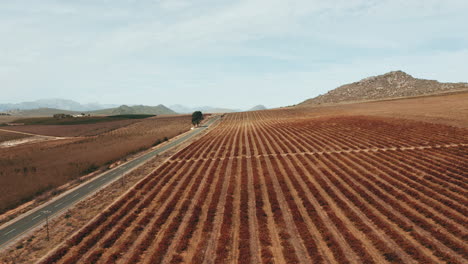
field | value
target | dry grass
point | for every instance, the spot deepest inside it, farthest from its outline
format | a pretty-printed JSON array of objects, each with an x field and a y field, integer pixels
[
  {"x": 290, "y": 186},
  {"x": 7, "y": 119},
  {"x": 449, "y": 109},
  {"x": 342, "y": 184},
  {"x": 73, "y": 130},
  {"x": 7, "y": 136},
  {"x": 29, "y": 170},
  {"x": 34, "y": 246}
]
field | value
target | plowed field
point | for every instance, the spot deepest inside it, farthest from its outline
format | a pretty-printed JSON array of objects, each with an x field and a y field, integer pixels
[
  {"x": 7, "y": 136},
  {"x": 29, "y": 170},
  {"x": 287, "y": 187}
]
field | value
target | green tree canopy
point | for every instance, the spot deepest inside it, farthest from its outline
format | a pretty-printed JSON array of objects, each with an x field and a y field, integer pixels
[{"x": 197, "y": 117}]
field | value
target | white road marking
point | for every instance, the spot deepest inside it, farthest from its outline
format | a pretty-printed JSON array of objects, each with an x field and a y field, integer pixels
[
  {"x": 127, "y": 166},
  {"x": 9, "y": 231},
  {"x": 89, "y": 187},
  {"x": 36, "y": 217}
]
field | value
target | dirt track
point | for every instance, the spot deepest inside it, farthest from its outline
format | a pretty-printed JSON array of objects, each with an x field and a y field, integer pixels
[{"x": 288, "y": 187}]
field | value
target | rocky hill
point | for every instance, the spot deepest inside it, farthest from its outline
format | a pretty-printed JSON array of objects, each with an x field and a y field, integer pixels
[{"x": 394, "y": 84}]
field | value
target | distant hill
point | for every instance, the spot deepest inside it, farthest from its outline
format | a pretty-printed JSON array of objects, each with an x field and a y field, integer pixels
[
  {"x": 121, "y": 110},
  {"x": 41, "y": 112},
  {"x": 390, "y": 85},
  {"x": 136, "y": 109},
  {"x": 55, "y": 103},
  {"x": 205, "y": 109},
  {"x": 257, "y": 107}
]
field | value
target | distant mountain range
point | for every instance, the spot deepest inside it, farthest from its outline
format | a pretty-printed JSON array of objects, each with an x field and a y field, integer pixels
[
  {"x": 206, "y": 109},
  {"x": 40, "y": 112},
  {"x": 395, "y": 84},
  {"x": 48, "y": 107},
  {"x": 55, "y": 103},
  {"x": 136, "y": 109},
  {"x": 257, "y": 107},
  {"x": 121, "y": 110}
]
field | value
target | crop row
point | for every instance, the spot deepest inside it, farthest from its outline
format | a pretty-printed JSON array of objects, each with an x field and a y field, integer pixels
[{"x": 226, "y": 199}]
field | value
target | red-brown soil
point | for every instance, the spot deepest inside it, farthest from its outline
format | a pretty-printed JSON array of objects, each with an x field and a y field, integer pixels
[
  {"x": 73, "y": 130},
  {"x": 289, "y": 186},
  {"x": 31, "y": 169},
  {"x": 451, "y": 109},
  {"x": 7, "y": 136}
]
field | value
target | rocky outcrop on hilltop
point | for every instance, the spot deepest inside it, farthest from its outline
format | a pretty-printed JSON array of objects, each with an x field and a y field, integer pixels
[{"x": 394, "y": 84}]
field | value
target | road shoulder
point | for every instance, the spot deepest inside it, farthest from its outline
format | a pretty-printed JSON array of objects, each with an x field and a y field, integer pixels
[{"x": 33, "y": 245}]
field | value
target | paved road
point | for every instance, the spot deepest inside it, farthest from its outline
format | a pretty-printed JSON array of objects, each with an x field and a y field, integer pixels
[{"x": 23, "y": 224}]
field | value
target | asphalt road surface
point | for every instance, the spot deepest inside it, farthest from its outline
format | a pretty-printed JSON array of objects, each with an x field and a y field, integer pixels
[{"x": 25, "y": 223}]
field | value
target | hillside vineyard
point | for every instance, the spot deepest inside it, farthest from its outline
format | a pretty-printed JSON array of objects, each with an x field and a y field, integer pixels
[{"x": 287, "y": 187}]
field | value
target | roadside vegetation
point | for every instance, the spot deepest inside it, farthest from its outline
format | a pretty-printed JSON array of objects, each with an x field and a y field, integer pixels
[
  {"x": 197, "y": 117},
  {"x": 287, "y": 186},
  {"x": 30, "y": 170}
]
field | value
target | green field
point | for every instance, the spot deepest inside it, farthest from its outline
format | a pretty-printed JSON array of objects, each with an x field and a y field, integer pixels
[{"x": 77, "y": 120}]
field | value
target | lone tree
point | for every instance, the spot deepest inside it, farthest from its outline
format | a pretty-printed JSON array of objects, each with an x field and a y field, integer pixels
[{"x": 197, "y": 117}]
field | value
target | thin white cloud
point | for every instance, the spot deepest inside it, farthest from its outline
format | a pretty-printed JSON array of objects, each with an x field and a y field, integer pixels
[{"x": 304, "y": 46}]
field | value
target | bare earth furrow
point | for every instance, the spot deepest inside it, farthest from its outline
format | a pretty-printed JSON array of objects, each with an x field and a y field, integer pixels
[{"x": 288, "y": 186}]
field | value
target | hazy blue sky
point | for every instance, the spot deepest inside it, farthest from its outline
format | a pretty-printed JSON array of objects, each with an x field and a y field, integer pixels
[{"x": 219, "y": 52}]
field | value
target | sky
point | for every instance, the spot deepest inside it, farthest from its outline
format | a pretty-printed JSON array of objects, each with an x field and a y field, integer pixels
[{"x": 233, "y": 54}]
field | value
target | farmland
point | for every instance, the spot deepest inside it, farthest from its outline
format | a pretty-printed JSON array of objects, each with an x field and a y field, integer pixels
[
  {"x": 451, "y": 109},
  {"x": 7, "y": 136},
  {"x": 69, "y": 120},
  {"x": 77, "y": 130},
  {"x": 288, "y": 186},
  {"x": 29, "y": 170},
  {"x": 74, "y": 127}
]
